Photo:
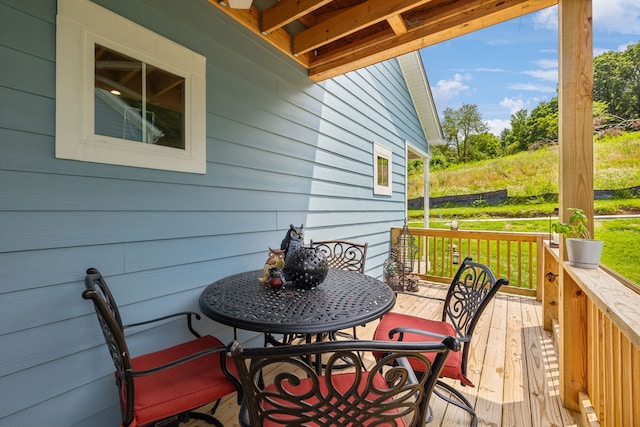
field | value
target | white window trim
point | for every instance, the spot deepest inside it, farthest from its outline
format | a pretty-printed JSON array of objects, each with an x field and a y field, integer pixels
[
  {"x": 380, "y": 150},
  {"x": 80, "y": 25}
]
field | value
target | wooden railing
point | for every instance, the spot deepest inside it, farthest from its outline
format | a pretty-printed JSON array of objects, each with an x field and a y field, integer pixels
[
  {"x": 595, "y": 317},
  {"x": 594, "y": 314},
  {"x": 515, "y": 256}
]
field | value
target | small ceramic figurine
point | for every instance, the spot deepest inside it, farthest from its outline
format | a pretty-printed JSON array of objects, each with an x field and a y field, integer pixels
[
  {"x": 276, "y": 280},
  {"x": 276, "y": 259},
  {"x": 292, "y": 240}
]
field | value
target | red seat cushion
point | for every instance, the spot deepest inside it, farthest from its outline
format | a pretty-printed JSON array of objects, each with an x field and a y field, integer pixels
[
  {"x": 279, "y": 408},
  {"x": 453, "y": 365},
  {"x": 183, "y": 387}
]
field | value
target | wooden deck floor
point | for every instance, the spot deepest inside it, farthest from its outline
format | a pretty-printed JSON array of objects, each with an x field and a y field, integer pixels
[{"x": 512, "y": 363}]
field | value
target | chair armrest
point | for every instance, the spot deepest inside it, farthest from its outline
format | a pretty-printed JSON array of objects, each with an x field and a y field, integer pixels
[
  {"x": 189, "y": 315},
  {"x": 177, "y": 362},
  {"x": 402, "y": 331},
  {"x": 404, "y": 362}
]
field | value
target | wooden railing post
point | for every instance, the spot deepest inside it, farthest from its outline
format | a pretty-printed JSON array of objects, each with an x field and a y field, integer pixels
[
  {"x": 572, "y": 348},
  {"x": 540, "y": 253},
  {"x": 550, "y": 287},
  {"x": 575, "y": 148}
]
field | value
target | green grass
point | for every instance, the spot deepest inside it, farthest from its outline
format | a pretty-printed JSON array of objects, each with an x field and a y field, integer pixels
[
  {"x": 602, "y": 207},
  {"x": 532, "y": 174},
  {"x": 525, "y": 174},
  {"x": 621, "y": 237},
  {"x": 621, "y": 247}
]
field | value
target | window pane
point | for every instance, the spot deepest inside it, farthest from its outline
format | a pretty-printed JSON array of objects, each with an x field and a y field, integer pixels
[
  {"x": 383, "y": 171},
  {"x": 137, "y": 101}
]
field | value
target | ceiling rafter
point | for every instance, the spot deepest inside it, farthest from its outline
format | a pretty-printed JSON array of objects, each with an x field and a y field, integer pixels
[
  {"x": 333, "y": 37},
  {"x": 396, "y": 22},
  {"x": 350, "y": 21},
  {"x": 287, "y": 11},
  {"x": 448, "y": 23}
]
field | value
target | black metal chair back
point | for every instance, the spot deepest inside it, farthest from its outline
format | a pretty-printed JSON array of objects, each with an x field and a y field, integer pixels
[
  {"x": 385, "y": 393},
  {"x": 342, "y": 254},
  {"x": 111, "y": 325},
  {"x": 195, "y": 371},
  {"x": 471, "y": 290}
]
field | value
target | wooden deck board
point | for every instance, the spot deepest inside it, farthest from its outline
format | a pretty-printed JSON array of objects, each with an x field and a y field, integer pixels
[
  {"x": 491, "y": 385},
  {"x": 513, "y": 365}
]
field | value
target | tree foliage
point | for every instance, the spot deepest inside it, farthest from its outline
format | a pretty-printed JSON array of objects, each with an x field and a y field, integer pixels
[
  {"x": 616, "y": 89},
  {"x": 458, "y": 126},
  {"x": 616, "y": 81}
]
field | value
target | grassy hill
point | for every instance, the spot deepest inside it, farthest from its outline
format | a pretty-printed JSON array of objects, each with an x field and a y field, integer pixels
[{"x": 617, "y": 165}]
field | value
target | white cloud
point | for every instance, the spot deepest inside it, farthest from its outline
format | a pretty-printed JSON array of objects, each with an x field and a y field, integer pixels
[
  {"x": 445, "y": 90},
  {"x": 548, "y": 75},
  {"x": 512, "y": 104},
  {"x": 624, "y": 47},
  {"x": 599, "y": 51},
  {"x": 547, "y": 63},
  {"x": 532, "y": 87},
  {"x": 490, "y": 70},
  {"x": 617, "y": 16},
  {"x": 496, "y": 126},
  {"x": 546, "y": 19}
]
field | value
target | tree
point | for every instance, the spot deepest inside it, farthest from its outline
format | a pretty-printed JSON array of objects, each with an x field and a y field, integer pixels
[
  {"x": 484, "y": 146},
  {"x": 518, "y": 138},
  {"x": 543, "y": 122},
  {"x": 458, "y": 125},
  {"x": 616, "y": 81}
]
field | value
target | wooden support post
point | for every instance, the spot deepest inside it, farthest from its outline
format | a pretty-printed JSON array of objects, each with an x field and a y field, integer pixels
[
  {"x": 573, "y": 346},
  {"x": 576, "y": 180},
  {"x": 550, "y": 287}
]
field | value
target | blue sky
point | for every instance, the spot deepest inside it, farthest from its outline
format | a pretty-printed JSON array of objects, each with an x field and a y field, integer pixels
[{"x": 514, "y": 65}]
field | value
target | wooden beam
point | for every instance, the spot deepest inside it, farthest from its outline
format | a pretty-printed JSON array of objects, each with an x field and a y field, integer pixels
[
  {"x": 286, "y": 11},
  {"x": 350, "y": 21},
  {"x": 280, "y": 39},
  {"x": 457, "y": 19},
  {"x": 397, "y": 24},
  {"x": 575, "y": 108},
  {"x": 572, "y": 348},
  {"x": 576, "y": 180}
]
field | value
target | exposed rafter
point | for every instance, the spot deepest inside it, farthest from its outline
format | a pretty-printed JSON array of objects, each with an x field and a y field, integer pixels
[{"x": 333, "y": 37}]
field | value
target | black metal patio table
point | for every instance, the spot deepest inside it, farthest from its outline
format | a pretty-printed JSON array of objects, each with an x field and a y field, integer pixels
[{"x": 343, "y": 300}]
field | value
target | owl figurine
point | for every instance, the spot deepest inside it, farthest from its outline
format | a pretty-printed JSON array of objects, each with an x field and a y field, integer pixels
[
  {"x": 275, "y": 260},
  {"x": 293, "y": 240}
]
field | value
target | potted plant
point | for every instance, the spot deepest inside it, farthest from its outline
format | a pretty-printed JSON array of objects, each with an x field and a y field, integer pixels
[
  {"x": 582, "y": 250},
  {"x": 391, "y": 274}
]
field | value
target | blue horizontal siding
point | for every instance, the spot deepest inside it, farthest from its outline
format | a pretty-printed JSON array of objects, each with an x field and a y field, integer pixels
[{"x": 281, "y": 150}]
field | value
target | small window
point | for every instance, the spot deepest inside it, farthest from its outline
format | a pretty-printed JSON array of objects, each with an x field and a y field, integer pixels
[
  {"x": 125, "y": 95},
  {"x": 128, "y": 90},
  {"x": 382, "y": 173}
]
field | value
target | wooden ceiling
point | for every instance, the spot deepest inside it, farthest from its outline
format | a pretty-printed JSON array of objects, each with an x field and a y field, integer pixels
[{"x": 333, "y": 37}]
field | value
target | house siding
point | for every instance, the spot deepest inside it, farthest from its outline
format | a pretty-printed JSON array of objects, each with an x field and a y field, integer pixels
[{"x": 281, "y": 150}]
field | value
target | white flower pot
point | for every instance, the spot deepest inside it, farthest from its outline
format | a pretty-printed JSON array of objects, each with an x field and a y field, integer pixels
[{"x": 584, "y": 253}]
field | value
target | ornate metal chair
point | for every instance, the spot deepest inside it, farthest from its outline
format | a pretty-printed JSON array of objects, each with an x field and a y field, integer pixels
[
  {"x": 471, "y": 290},
  {"x": 343, "y": 255},
  {"x": 388, "y": 393},
  {"x": 164, "y": 387}
]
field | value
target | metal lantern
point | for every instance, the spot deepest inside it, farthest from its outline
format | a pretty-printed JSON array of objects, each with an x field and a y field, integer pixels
[
  {"x": 412, "y": 283},
  {"x": 306, "y": 268},
  {"x": 403, "y": 254}
]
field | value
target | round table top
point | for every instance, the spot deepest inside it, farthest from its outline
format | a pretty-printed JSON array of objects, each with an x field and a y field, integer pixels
[{"x": 343, "y": 300}]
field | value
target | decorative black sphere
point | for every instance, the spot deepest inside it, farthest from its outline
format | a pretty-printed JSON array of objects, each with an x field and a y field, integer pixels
[{"x": 306, "y": 268}]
